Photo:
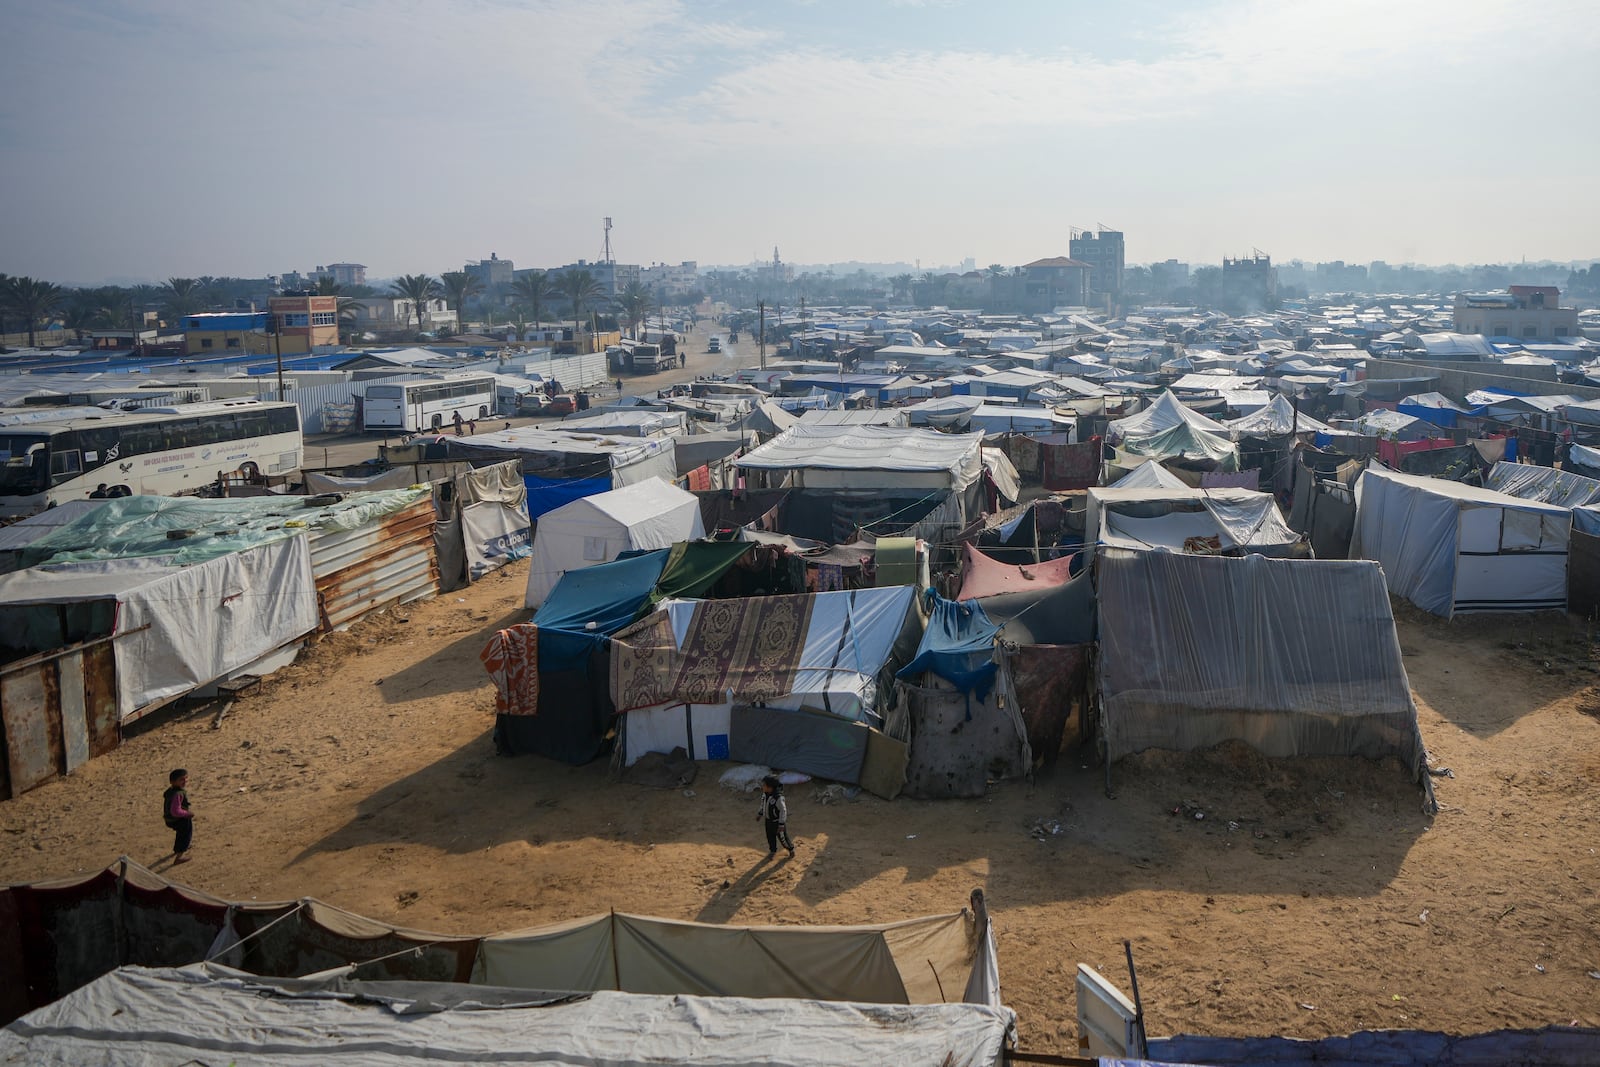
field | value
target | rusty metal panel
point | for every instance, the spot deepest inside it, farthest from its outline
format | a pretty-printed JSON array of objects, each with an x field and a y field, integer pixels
[
  {"x": 28, "y": 708},
  {"x": 74, "y": 727},
  {"x": 359, "y": 571},
  {"x": 100, "y": 697}
]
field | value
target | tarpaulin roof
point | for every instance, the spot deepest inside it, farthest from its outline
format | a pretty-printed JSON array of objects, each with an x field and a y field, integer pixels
[
  {"x": 1276, "y": 419},
  {"x": 1142, "y": 519},
  {"x": 984, "y": 576},
  {"x": 604, "y": 598},
  {"x": 1545, "y": 484},
  {"x": 1149, "y": 475},
  {"x": 1164, "y": 414},
  {"x": 958, "y": 646},
  {"x": 845, "y": 453},
  {"x": 693, "y": 567},
  {"x": 193, "y": 529}
]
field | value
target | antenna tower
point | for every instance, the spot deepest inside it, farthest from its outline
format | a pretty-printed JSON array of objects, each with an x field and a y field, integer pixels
[{"x": 605, "y": 252}]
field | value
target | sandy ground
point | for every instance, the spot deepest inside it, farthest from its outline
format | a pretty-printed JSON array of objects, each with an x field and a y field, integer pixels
[{"x": 1313, "y": 898}]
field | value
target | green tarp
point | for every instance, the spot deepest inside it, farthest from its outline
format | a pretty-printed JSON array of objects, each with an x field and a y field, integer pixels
[{"x": 693, "y": 567}]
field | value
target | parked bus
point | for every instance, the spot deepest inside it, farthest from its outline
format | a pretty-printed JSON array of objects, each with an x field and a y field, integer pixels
[
  {"x": 165, "y": 451},
  {"x": 418, "y": 405}
]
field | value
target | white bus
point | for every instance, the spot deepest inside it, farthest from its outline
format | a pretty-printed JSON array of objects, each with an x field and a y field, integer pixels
[
  {"x": 418, "y": 405},
  {"x": 166, "y": 451}
]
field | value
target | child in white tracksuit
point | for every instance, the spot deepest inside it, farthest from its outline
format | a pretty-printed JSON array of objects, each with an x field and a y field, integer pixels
[{"x": 775, "y": 814}]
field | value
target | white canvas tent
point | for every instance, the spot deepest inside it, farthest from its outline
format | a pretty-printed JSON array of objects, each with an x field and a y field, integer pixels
[
  {"x": 1149, "y": 475},
  {"x": 1276, "y": 419},
  {"x": 176, "y": 628},
  {"x": 597, "y": 529},
  {"x": 1451, "y": 548}
]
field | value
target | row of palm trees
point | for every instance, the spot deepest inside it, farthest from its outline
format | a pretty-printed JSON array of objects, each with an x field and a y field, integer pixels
[{"x": 534, "y": 293}]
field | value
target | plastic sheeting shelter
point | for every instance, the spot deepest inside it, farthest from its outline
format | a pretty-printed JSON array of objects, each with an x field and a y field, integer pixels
[
  {"x": 176, "y": 628},
  {"x": 598, "y": 529},
  {"x": 1294, "y": 657},
  {"x": 1547, "y": 485},
  {"x": 1451, "y": 548},
  {"x": 1187, "y": 520},
  {"x": 868, "y": 457},
  {"x": 136, "y": 1017},
  {"x": 559, "y": 705},
  {"x": 1276, "y": 419},
  {"x": 682, "y": 675},
  {"x": 1169, "y": 430},
  {"x": 1149, "y": 475}
]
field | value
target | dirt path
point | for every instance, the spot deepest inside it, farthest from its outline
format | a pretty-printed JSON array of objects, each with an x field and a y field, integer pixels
[{"x": 1313, "y": 898}]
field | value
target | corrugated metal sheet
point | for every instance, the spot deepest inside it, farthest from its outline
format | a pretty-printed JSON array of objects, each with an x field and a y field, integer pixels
[
  {"x": 58, "y": 711},
  {"x": 358, "y": 571}
]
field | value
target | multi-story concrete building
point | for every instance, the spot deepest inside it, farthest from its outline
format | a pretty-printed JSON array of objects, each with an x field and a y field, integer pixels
[
  {"x": 1523, "y": 312},
  {"x": 493, "y": 272},
  {"x": 1249, "y": 284},
  {"x": 669, "y": 280},
  {"x": 305, "y": 323},
  {"x": 1103, "y": 252},
  {"x": 1046, "y": 284},
  {"x": 346, "y": 273},
  {"x": 378, "y": 313},
  {"x": 612, "y": 276}
]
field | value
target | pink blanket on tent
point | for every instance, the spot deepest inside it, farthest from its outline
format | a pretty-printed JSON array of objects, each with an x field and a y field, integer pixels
[{"x": 984, "y": 576}]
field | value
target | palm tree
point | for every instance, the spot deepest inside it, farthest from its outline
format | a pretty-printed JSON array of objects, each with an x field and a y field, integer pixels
[
  {"x": 84, "y": 312},
  {"x": 533, "y": 290},
  {"x": 579, "y": 287},
  {"x": 902, "y": 285},
  {"x": 34, "y": 301},
  {"x": 459, "y": 287},
  {"x": 182, "y": 297},
  {"x": 636, "y": 305},
  {"x": 419, "y": 289}
]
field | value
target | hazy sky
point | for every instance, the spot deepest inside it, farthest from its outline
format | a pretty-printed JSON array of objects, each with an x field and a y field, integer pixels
[{"x": 149, "y": 138}]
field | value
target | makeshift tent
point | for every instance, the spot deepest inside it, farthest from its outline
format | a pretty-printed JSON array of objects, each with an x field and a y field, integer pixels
[
  {"x": 482, "y": 511},
  {"x": 1187, "y": 520},
  {"x": 686, "y": 676},
  {"x": 868, "y": 457},
  {"x": 1528, "y": 481},
  {"x": 964, "y": 723},
  {"x": 1452, "y": 548},
  {"x": 203, "y": 1012},
  {"x": 1294, "y": 657},
  {"x": 1276, "y": 419},
  {"x": 559, "y": 467},
  {"x": 551, "y": 675},
  {"x": 600, "y": 528},
  {"x": 1169, "y": 430},
  {"x": 1149, "y": 475},
  {"x": 176, "y": 627}
]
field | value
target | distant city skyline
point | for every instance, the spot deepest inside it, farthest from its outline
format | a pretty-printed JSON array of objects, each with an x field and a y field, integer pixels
[{"x": 141, "y": 139}]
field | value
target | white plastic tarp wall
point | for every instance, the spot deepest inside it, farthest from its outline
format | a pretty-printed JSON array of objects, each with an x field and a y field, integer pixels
[
  {"x": 597, "y": 529},
  {"x": 183, "y": 627},
  {"x": 1450, "y": 548}
]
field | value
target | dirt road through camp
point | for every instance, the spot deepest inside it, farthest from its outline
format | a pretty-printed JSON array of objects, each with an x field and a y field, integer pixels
[{"x": 1312, "y": 897}]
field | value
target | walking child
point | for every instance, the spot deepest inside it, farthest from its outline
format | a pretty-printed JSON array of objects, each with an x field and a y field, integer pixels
[
  {"x": 176, "y": 814},
  {"x": 775, "y": 814}
]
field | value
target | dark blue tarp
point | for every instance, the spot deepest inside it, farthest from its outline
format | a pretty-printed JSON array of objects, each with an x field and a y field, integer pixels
[
  {"x": 1437, "y": 416},
  {"x": 958, "y": 646},
  {"x": 547, "y": 494},
  {"x": 608, "y": 595}
]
